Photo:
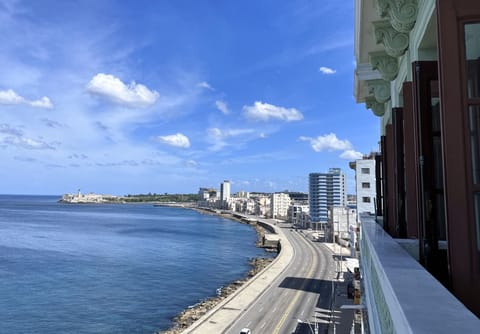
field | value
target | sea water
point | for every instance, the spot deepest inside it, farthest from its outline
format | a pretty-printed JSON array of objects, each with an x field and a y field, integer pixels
[{"x": 111, "y": 268}]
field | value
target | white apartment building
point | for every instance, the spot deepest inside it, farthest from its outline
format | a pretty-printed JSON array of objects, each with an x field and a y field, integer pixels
[
  {"x": 279, "y": 204},
  {"x": 341, "y": 217},
  {"x": 224, "y": 194},
  {"x": 365, "y": 184}
]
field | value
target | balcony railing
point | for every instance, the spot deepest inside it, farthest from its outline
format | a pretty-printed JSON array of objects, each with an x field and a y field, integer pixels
[{"x": 400, "y": 295}]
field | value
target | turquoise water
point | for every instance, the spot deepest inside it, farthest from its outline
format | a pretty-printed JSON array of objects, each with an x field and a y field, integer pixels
[{"x": 68, "y": 268}]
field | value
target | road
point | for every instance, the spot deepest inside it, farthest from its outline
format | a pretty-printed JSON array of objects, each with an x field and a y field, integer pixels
[{"x": 303, "y": 291}]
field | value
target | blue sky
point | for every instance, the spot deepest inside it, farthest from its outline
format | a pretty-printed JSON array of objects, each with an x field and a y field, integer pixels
[{"x": 168, "y": 96}]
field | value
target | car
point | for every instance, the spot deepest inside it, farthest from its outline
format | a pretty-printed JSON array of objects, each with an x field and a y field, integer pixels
[{"x": 245, "y": 331}]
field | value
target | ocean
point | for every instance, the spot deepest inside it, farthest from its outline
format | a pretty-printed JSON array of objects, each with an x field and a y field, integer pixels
[{"x": 111, "y": 268}]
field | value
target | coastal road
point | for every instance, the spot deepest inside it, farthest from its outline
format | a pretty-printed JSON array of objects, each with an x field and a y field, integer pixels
[{"x": 302, "y": 291}]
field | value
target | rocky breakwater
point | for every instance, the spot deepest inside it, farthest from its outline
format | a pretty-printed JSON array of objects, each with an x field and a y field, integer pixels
[{"x": 187, "y": 317}]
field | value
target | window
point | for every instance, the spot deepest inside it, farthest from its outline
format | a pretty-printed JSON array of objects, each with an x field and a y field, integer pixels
[
  {"x": 365, "y": 185},
  {"x": 365, "y": 170},
  {"x": 366, "y": 199},
  {"x": 472, "y": 50}
]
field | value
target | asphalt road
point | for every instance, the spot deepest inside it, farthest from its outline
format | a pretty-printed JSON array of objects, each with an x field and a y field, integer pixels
[{"x": 303, "y": 291}]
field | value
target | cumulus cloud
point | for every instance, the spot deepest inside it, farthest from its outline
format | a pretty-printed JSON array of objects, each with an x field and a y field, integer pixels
[
  {"x": 222, "y": 106},
  {"x": 10, "y": 97},
  {"x": 177, "y": 140},
  {"x": 205, "y": 85},
  {"x": 351, "y": 155},
  {"x": 331, "y": 143},
  {"x": 263, "y": 112},
  {"x": 327, "y": 70},
  {"x": 132, "y": 95},
  {"x": 328, "y": 142}
]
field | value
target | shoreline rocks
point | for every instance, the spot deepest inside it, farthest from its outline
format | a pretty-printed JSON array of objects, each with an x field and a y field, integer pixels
[{"x": 188, "y": 316}]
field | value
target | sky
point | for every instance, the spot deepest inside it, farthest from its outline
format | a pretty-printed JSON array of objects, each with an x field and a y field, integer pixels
[{"x": 137, "y": 96}]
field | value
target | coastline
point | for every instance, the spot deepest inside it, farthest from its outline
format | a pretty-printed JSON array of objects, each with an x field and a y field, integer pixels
[{"x": 188, "y": 316}]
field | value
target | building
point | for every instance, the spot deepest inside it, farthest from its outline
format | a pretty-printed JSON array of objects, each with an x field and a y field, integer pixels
[
  {"x": 325, "y": 191},
  {"x": 279, "y": 204},
  {"x": 365, "y": 183},
  {"x": 297, "y": 213},
  {"x": 224, "y": 194},
  {"x": 418, "y": 70},
  {"x": 340, "y": 220}
]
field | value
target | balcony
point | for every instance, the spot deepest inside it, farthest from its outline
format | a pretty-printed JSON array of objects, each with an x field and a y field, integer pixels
[{"x": 400, "y": 295}]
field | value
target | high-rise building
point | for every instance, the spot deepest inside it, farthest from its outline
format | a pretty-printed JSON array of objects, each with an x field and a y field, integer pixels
[
  {"x": 224, "y": 193},
  {"x": 325, "y": 191}
]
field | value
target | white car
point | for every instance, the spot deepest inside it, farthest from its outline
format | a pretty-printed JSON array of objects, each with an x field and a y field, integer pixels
[{"x": 245, "y": 331}]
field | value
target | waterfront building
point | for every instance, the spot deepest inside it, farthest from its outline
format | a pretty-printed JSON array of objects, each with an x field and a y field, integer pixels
[
  {"x": 224, "y": 194},
  {"x": 295, "y": 214},
  {"x": 207, "y": 197},
  {"x": 365, "y": 183},
  {"x": 418, "y": 70},
  {"x": 279, "y": 204},
  {"x": 325, "y": 191}
]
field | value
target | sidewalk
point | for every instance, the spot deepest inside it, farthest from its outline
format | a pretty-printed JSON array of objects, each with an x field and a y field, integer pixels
[{"x": 345, "y": 320}]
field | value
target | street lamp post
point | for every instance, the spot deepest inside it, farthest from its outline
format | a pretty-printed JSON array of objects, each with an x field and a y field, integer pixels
[{"x": 309, "y": 325}]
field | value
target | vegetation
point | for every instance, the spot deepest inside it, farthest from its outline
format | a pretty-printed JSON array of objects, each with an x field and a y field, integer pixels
[{"x": 179, "y": 198}]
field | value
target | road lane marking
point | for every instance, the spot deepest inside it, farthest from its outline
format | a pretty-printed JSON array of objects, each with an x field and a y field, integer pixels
[
  {"x": 294, "y": 300},
  {"x": 263, "y": 325}
]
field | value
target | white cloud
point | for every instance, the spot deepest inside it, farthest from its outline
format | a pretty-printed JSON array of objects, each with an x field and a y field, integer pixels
[
  {"x": 351, "y": 155},
  {"x": 44, "y": 102},
  {"x": 219, "y": 137},
  {"x": 217, "y": 133},
  {"x": 222, "y": 106},
  {"x": 327, "y": 70},
  {"x": 264, "y": 112},
  {"x": 177, "y": 140},
  {"x": 205, "y": 85},
  {"x": 328, "y": 142},
  {"x": 132, "y": 95},
  {"x": 191, "y": 163},
  {"x": 27, "y": 143},
  {"x": 11, "y": 97}
]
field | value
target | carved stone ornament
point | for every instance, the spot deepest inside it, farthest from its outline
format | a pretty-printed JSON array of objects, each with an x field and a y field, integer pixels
[
  {"x": 385, "y": 64},
  {"x": 380, "y": 89},
  {"x": 401, "y": 13},
  {"x": 378, "y": 108},
  {"x": 395, "y": 42}
]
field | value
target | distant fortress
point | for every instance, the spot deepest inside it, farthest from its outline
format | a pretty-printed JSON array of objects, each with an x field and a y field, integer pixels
[{"x": 90, "y": 198}]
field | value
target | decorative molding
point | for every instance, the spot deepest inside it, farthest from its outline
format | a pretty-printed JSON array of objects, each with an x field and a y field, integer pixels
[
  {"x": 395, "y": 42},
  {"x": 401, "y": 13},
  {"x": 380, "y": 89},
  {"x": 366, "y": 72},
  {"x": 378, "y": 108},
  {"x": 385, "y": 64}
]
